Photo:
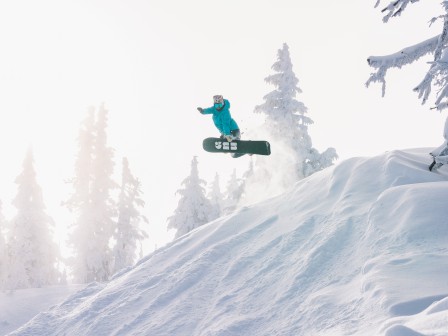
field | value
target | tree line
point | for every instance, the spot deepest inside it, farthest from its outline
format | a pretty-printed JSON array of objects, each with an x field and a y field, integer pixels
[{"x": 106, "y": 233}]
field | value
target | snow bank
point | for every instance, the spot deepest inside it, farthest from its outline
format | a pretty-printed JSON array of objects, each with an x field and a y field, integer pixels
[
  {"x": 357, "y": 249},
  {"x": 19, "y": 306}
]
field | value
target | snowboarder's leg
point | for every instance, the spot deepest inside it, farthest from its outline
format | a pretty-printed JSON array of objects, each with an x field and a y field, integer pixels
[{"x": 237, "y": 136}]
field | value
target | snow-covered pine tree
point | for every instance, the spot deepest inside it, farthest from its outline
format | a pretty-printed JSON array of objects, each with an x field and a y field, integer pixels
[
  {"x": 215, "y": 196},
  {"x": 104, "y": 206},
  {"x": 3, "y": 266},
  {"x": 81, "y": 238},
  {"x": 32, "y": 253},
  {"x": 193, "y": 208},
  {"x": 233, "y": 193},
  {"x": 129, "y": 232},
  {"x": 286, "y": 120},
  {"x": 79, "y": 200},
  {"x": 91, "y": 201},
  {"x": 437, "y": 74}
]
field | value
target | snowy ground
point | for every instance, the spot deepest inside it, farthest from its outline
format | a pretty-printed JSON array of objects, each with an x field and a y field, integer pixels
[
  {"x": 358, "y": 249},
  {"x": 19, "y": 306}
]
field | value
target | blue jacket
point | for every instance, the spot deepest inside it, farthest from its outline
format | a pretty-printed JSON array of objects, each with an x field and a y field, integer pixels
[{"x": 222, "y": 118}]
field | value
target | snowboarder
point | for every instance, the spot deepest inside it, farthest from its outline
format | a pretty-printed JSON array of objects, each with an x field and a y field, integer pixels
[
  {"x": 223, "y": 120},
  {"x": 230, "y": 139}
]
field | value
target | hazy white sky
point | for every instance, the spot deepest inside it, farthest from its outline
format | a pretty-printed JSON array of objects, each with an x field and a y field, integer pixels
[{"x": 153, "y": 62}]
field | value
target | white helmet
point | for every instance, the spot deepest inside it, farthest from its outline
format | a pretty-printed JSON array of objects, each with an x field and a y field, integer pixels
[{"x": 218, "y": 99}]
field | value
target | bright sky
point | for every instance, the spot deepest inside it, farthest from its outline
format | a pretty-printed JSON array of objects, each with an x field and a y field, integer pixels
[{"x": 153, "y": 62}]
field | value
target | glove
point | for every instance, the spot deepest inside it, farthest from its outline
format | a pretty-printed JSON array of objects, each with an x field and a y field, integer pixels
[
  {"x": 229, "y": 137},
  {"x": 200, "y": 109}
]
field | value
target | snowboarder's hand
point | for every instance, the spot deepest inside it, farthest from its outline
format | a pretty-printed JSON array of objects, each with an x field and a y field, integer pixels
[
  {"x": 200, "y": 109},
  {"x": 229, "y": 137}
]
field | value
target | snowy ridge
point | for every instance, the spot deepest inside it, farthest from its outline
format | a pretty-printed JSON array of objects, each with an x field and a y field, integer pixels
[{"x": 357, "y": 249}]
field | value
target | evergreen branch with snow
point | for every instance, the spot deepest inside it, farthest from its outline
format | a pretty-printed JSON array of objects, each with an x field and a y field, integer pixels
[
  {"x": 395, "y": 8},
  {"x": 437, "y": 74},
  {"x": 399, "y": 59}
]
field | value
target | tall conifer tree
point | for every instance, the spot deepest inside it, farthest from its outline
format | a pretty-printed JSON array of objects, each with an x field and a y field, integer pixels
[
  {"x": 82, "y": 236},
  {"x": 104, "y": 206},
  {"x": 92, "y": 202},
  {"x": 287, "y": 121},
  {"x": 32, "y": 253},
  {"x": 193, "y": 209},
  {"x": 129, "y": 232}
]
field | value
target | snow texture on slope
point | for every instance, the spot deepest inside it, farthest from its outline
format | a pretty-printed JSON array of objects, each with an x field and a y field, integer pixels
[
  {"x": 357, "y": 249},
  {"x": 19, "y": 306}
]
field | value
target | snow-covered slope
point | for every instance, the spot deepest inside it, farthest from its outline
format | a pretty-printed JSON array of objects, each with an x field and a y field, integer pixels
[
  {"x": 19, "y": 306},
  {"x": 357, "y": 249}
]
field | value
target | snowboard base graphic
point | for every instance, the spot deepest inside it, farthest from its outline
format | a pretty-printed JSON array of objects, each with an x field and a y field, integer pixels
[{"x": 218, "y": 145}]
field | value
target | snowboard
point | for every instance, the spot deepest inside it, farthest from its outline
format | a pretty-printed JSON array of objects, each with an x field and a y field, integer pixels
[{"x": 237, "y": 147}]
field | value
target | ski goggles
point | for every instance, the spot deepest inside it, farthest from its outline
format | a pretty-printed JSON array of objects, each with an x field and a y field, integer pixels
[{"x": 218, "y": 99}]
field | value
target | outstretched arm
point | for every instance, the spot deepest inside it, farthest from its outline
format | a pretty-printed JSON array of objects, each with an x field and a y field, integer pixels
[{"x": 208, "y": 110}]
